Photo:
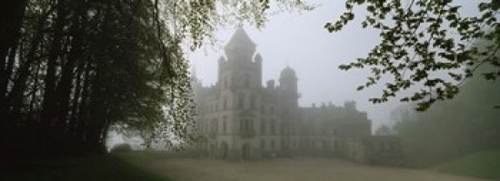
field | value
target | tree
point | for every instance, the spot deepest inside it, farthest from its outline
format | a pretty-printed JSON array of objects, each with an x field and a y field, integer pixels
[
  {"x": 425, "y": 44},
  {"x": 70, "y": 71},
  {"x": 454, "y": 128}
]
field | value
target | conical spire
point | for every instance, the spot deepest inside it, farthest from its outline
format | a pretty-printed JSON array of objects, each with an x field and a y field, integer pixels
[{"x": 240, "y": 40}]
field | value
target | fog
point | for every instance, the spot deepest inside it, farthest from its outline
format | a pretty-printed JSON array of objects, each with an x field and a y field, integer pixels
[
  {"x": 91, "y": 96},
  {"x": 298, "y": 40}
]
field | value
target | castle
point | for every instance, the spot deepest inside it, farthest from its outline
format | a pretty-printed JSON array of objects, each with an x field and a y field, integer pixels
[{"x": 242, "y": 119}]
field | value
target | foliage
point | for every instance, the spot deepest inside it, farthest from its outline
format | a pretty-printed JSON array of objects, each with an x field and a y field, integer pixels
[
  {"x": 123, "y": 147},
  {"x": 71, "y": 71},
  {"x": 424, "y": 44},
  {"x": 452, "y": 129}
]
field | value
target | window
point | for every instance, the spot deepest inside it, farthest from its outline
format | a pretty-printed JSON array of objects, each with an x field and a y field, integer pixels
[
  {"x": 252, "y": 102},
  {"x": 241, "y": 100},
  {"x": 206, "y": 125},
  {"x": 262, "y": 127},
  {"x": 226, "y": 83},
  {"x": 273, "y": 127},
  {"x": 262, "y": 144},
  {"x": 245, "y": 128},
  {"x": 282, "y": 144},
  {"x": 246, "y": 125},
  {"x": 283, "y": 129},
  {"x": 216, "y": 126},
  {"x": 250, "y": 125},
  {"x": 272, "y": 144},
  {"x": 225, "y": 103},
  {"x": 212, "y": 124},
  {"x": 247, "y": 81},
  {"x": 242, "y": 125},
  {"x": 224, "y": 125},
  {"x": 393, "y": 146}
]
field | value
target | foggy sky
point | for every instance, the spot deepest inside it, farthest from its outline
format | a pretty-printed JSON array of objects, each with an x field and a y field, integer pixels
[{"x": 299, "y": 40}]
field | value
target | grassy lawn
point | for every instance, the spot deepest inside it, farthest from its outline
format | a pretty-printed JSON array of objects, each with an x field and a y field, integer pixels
[
  {"x": 483, "y": 165},
  {"x": 93, "y": 168}
]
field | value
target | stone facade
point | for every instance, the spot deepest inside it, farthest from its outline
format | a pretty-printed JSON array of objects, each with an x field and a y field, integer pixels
[{"x": 241, "y": 119}]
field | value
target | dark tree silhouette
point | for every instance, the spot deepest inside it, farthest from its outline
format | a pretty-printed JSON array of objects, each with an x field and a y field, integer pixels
[{"x": 72, "y": 70}]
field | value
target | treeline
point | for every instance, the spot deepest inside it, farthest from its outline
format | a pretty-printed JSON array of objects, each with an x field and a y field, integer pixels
[
  {"x": 70, "y": 69},
  {"x": 469, "y": 123}
]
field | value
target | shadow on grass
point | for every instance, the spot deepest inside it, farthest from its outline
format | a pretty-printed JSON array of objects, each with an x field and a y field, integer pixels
[
  {"x": 482, "y": 165},
  {"x": 92, "y": 168}
]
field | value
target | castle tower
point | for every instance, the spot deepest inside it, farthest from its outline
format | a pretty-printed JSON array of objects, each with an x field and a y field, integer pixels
[
  {"x": 239, "y": 87},
  {"x": 240, "y": 47},
  {"x": 240, "y": 71},
  {"x": 288, "y": 84}
]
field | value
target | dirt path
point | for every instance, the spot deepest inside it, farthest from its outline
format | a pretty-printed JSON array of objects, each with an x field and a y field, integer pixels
[{"x": 293, "y": 169}]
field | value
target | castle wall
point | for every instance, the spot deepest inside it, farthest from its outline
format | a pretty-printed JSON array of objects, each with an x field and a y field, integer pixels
[{"x": 241, "y": 119}]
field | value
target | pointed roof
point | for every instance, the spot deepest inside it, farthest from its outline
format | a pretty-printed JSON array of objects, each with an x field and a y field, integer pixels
[
  {"x": 240, "y": 39},
  {"x": 288, "y": 73}
]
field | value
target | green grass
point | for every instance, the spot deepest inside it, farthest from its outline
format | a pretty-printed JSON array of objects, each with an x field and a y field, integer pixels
[
  {"x": 482, "y": 164},
  {"x": 91, "y": 168}
]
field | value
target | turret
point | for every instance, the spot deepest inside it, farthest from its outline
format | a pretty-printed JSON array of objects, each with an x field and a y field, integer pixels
[
  {"x": 288, "y": 80},
  {"x": 240, "y": 48},
  {"x": 242, "y": 67},
  {"x": 288, "y": 84},
  {"x": 258, "y": 66}
]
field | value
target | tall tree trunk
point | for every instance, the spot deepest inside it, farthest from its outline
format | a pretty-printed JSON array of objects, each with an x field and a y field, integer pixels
[
  {"x": 17, "y": 90},
  {"x": 9, "y": 28},
  {"x": 34, "y": 95},
  {"x": 50, "y": 100},
  {"x": 63, "y": 92},
  {"x": 77, "y": 94},
  {"x": 83, "y": 109}
]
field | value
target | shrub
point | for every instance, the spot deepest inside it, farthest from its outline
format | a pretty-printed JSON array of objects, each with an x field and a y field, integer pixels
[{"x": 123, "y": 147}]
